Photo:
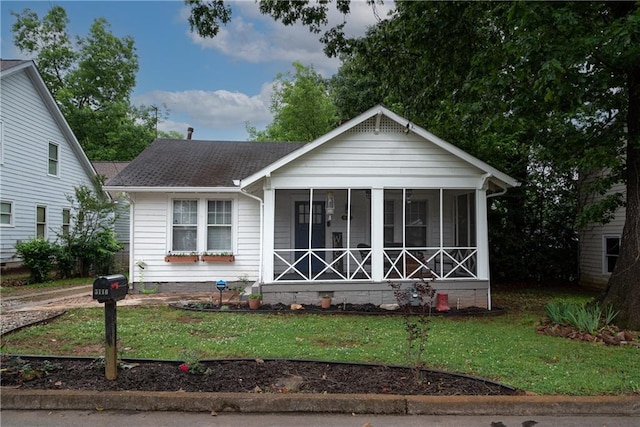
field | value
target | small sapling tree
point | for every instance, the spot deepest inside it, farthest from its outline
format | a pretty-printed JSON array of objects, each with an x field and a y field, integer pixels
[{"x": 415, "y": 305}]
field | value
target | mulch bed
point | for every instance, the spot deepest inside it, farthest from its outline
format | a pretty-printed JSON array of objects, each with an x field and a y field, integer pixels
[
  {"x": 347, "y": 308},
  {"x": 610, "y": 335},
  {"x": 241, "y": 375}
]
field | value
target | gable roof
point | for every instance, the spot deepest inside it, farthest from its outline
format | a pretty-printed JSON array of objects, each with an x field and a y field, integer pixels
[
  {"x": 187, "y": 165},
  {"x": 9, "y": 67},
  {"x": 499, "y": 178}
]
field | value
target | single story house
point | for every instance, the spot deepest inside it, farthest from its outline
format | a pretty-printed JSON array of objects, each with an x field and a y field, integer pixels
[{"x": 374, "y": 201}]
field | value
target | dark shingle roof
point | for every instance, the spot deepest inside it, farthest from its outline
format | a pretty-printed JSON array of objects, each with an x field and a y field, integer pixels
[
  {"x": 193, "y": 163},
  {"x": 5, "y": 64}
]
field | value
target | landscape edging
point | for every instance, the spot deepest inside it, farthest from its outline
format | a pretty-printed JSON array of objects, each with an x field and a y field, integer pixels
[{"x": 11, "y": 398}]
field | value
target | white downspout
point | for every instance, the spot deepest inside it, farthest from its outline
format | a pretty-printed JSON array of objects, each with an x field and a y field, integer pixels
[{"x": 238, "y": 183}]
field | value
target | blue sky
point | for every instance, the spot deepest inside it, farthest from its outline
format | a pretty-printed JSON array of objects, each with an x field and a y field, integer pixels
[{"x": 214, "y": 85}]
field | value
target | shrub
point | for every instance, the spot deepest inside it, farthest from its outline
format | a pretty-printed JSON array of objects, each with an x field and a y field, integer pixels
[
  {"x": 38, "y": 256},
  {"x": 584, "y": 317}
]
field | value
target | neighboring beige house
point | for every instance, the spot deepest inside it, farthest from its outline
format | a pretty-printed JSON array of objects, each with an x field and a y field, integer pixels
[
  {"x": 375, "y": 200},
  {"x": 41, "y": 161}
]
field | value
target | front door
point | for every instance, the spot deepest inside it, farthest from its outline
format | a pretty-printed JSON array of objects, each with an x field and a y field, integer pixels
[{"x": 302, "y": 216}]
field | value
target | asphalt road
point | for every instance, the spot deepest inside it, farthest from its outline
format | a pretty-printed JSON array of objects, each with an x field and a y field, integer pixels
[{"x": 12, "y": 418}]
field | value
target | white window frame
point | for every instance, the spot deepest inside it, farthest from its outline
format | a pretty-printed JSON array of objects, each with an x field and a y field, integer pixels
[
  {"x": 56, "y": 160},
  {"x": 68, "y": 223},
  {"x": 11, "y": 213},
  {"x": 202, "y": 223},
  {"x": 605, "y": 255},
  {"x": 43, "y": 224},
  {"x": 1, "y": 142},
  {"x": 172, "y": 224},
  {"x": 216, "y": 225}
]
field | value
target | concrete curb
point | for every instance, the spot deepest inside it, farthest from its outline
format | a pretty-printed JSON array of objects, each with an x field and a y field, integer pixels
[{"x": 316, "y": 403}]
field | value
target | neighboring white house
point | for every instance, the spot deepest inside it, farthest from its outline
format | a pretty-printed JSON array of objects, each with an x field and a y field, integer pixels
[
  {"x": 384, "y": 198},
  {"x": 40, "y": 160},
  {"x": 600, "y": 247}
]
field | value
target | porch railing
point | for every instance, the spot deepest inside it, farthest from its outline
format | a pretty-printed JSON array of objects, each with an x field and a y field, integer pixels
[
  {"x": 349, "y": 264},
  {"x": 309, "y": 265},
  {"x": 444, "y": 263}
]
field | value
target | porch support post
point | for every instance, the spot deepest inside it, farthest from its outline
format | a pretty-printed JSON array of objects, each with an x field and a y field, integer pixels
[
  {"x": 269, "y": 235},
  {"x": 482, "y": 238},
  {"x": 377, "y": 234}
]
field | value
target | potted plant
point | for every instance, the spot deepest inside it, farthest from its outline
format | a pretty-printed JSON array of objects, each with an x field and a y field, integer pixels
[
  {"x": 325, "y": 301},
  {"x": 182, "y": 257},
  {"x": 217, "y": 257},
  {"x": 254, "y": 301}
]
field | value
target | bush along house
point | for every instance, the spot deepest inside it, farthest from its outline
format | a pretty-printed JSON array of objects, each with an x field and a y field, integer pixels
[{"x": 376, "y": 200}]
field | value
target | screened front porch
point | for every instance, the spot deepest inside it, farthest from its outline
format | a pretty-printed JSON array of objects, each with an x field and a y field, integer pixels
[{"x": 376, "y": 235}]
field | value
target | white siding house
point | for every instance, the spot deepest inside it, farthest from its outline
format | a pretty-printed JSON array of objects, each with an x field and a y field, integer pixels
[
  {"x": 375, "y": 200},
  {"x": 40, "y": 160},
  {"x": 600, "y": 247}
]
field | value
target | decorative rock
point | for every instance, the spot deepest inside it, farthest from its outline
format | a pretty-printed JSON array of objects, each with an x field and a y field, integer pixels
[{"x": 390, "y": 307}]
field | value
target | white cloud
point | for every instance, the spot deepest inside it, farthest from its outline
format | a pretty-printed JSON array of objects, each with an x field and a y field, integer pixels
[
  {"x": 257, "y": 38},
  {"x": 220, "y": 109}
]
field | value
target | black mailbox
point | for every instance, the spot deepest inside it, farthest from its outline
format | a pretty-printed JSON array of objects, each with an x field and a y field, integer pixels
[{"x": 110, "y": 288}]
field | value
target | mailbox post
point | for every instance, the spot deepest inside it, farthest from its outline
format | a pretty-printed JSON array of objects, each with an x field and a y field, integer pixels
[{"x": 108, "y": 290}]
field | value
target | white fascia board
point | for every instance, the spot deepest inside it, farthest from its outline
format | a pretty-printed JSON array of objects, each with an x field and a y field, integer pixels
[{"x": 172, "y": 189}]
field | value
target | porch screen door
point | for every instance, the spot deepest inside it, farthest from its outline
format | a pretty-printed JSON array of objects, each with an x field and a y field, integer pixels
[{"x": 303, "y": 216}]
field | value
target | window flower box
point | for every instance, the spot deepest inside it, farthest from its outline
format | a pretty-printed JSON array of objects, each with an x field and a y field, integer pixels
[
  {"x": 217, "y": 258},
  {"x": 183, "y": 258}
]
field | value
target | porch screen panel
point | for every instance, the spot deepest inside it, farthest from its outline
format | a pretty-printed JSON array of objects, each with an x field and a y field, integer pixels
[
  {"x": 389, "y": 222},
  {"x": 416, "y": 224},
  {"x": 219, "y": 224},
  {"x": 185, "y": 226},
  {"x": 466, "y": 220}
]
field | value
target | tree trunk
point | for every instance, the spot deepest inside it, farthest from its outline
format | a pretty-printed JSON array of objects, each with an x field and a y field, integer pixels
[{"x": 623, "y": 289}]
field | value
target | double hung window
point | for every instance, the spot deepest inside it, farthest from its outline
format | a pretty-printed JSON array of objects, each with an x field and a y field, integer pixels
[
  {"x": 200, "y": 225},
  {"x": 6, "y": 213},
  {"x": 185, "y": 226},
  {"x": 41, "y": 222},
  {"x": 66, "y": 221},
  {"x": 54, "y": 161},
  {"x": 219, "y": 226},
  {"x": 611, "y": 252}
]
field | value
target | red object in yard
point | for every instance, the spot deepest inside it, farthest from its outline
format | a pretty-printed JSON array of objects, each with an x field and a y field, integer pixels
[{"x": 443, "y": 302}]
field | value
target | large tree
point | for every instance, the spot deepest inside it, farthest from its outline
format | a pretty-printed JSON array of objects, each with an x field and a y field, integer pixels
[
  {"x": 301, "y": 106},
  {"x": 91, "y": 79},
  {"x": 546, "y": 91}
]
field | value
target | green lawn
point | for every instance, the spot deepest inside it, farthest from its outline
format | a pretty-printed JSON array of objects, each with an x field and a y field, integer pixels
[{"x": 504, "y": 348}]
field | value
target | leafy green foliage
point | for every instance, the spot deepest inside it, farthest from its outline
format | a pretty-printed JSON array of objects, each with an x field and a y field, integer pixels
[
  {"x": 584, "y": 317},
  {"x": 38, "y": 256},
  {"x": 301, "y": 106},
  {"x": 90, "y": 245},
  {"x": 92, "y": 80}
]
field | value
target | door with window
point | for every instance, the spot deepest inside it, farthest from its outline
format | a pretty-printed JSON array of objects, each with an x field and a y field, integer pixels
[{"x": 306, "y": 214}]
